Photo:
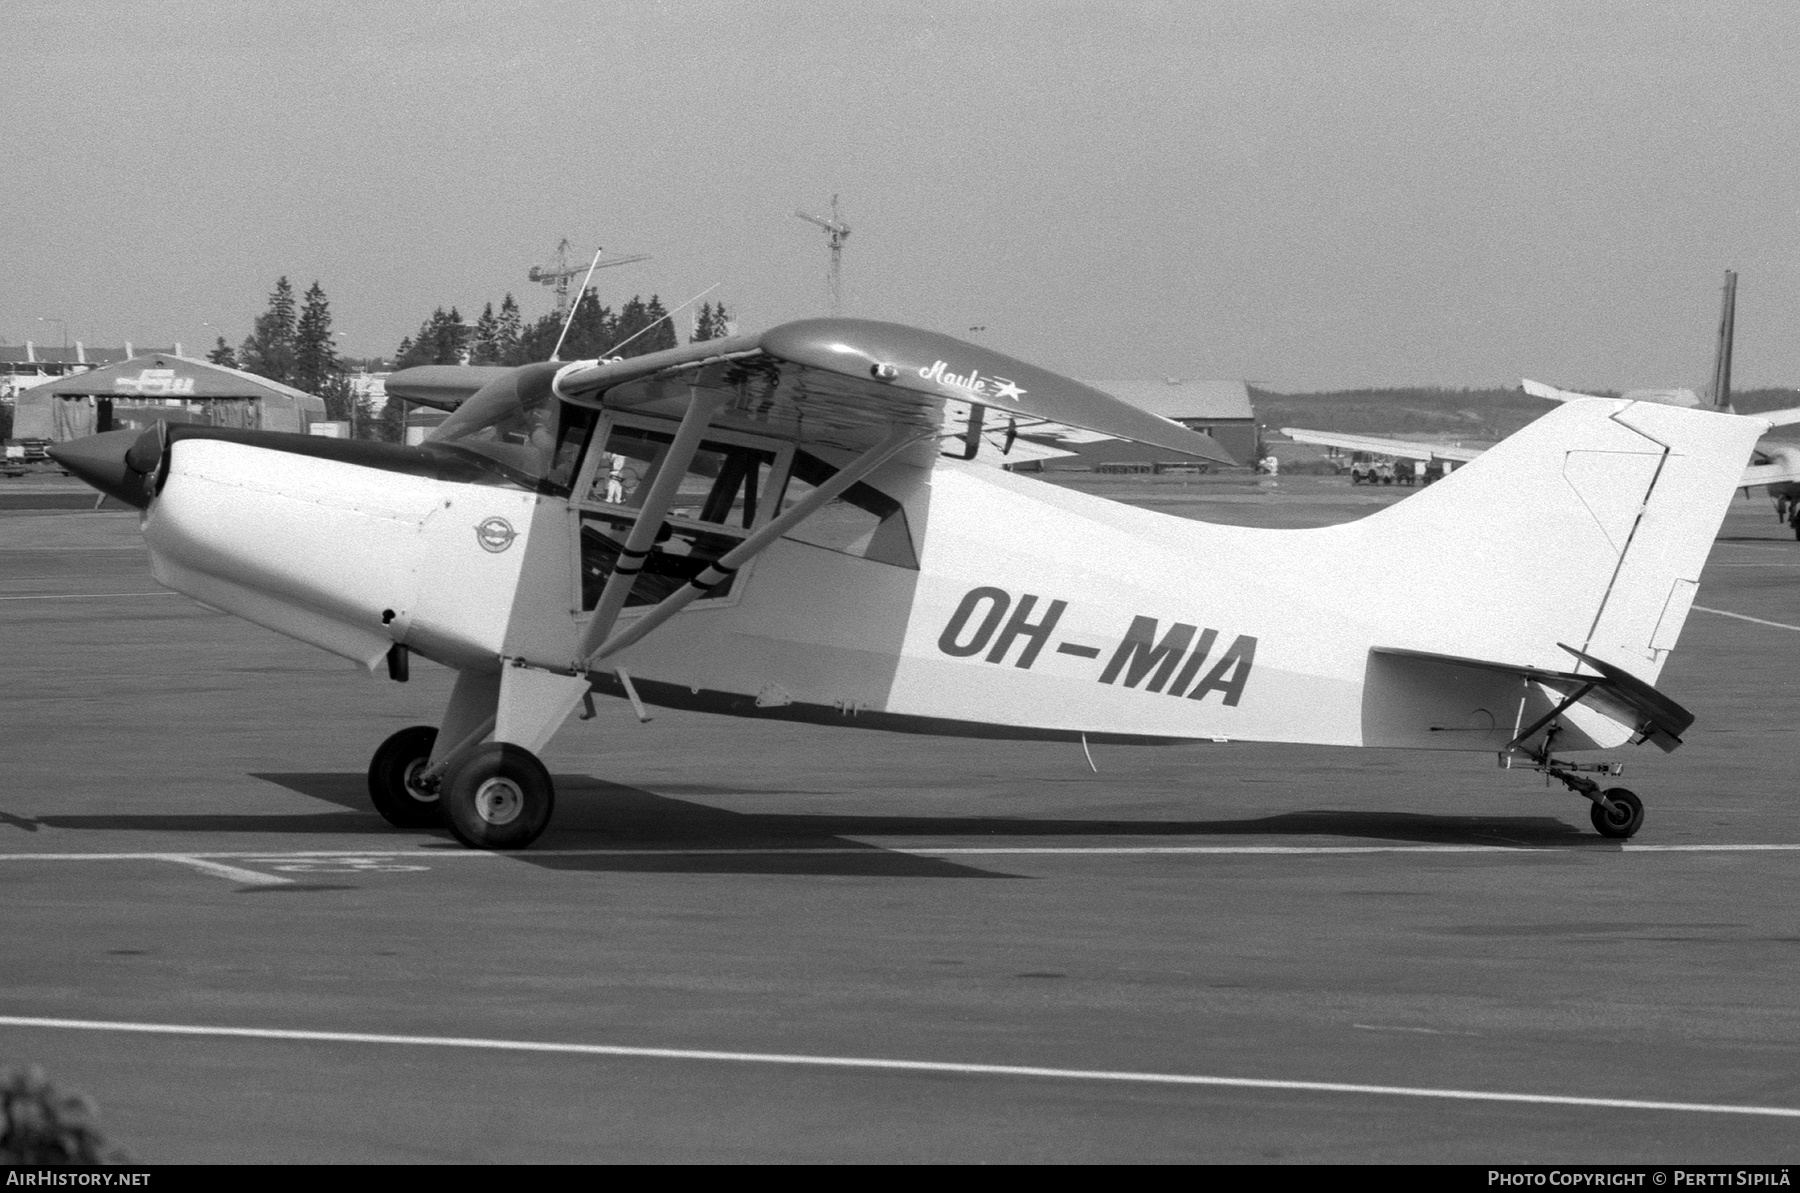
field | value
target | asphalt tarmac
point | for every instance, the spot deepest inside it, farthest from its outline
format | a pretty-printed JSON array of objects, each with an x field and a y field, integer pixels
[{"x": 1441, "y": 959}]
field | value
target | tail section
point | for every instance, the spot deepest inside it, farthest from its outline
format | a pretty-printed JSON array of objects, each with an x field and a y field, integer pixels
[{"x": 1572, "y": 549}]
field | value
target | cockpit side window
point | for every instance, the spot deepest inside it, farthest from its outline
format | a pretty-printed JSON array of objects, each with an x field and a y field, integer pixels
[
  {"x": 862, "y": 521},
  {"x": 521, "y": 428}
]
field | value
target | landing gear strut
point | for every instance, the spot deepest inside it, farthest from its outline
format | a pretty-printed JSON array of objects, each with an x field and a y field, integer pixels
[{"x": 1617, "y": 812}]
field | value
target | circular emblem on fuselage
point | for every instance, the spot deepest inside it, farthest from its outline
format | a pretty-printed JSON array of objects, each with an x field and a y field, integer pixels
[{"x": 495, "y": 534}]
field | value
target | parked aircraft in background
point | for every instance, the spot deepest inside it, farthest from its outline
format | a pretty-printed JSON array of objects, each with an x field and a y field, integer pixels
[
  {"x": 775, "y": 526},
  {"x": 1774, "y": 465}
]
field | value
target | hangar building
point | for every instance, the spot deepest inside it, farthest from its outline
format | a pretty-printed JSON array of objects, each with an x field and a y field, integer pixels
[{"x": 160, "y": 387}]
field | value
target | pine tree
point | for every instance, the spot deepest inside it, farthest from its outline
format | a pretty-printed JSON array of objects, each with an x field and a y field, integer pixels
[
  {"x": 711, "y": 325},
  {"x": 222, "y": 354},
  {"x": 269, "y": 350},
  {"x": 390, "y": 425},
  {"x": 452, "y": 336},
  {"x": 487, "y": 338},
  {"x": 367, "y": 420},
  {"x": 440, "y": 341},
  {"x": 661, "y": 335},
  {"x": 315, "y": 359},
  {"x": 536, "y": 341},
  {"x": 592, "y": 332},
  {"x": 340, "y": 399},
  {"x": 509, "y": 332},
  {"x": 628, "y": 332}
]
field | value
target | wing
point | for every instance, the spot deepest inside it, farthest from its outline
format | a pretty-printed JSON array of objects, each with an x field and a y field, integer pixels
[
  {"x": 1538, "y": 389},
  {"x": 1771, "y": 474},
  {"x": 1755, "y": 474},
  {"x": 1686, "y": 398},
  {"x": 1403, "y": 448},
  {"x": 851, "y": 382}
]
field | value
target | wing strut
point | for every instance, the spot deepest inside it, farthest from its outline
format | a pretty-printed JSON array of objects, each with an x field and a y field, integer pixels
[
  {"x": 642, "y": 536},
  {"x": 728, "y": 563}
]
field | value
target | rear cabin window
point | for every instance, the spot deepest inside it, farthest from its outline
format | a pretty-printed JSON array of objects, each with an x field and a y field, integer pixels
[{"x": 862, "y": 521}]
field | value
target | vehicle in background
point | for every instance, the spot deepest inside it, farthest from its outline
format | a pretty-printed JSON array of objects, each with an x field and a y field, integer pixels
[{"x": 1370, "y": 468}]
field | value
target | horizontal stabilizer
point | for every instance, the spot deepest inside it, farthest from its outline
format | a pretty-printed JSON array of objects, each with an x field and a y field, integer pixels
[
  {"x": 1614, "y": 692},
  {"x": 1779, "y": 418}
]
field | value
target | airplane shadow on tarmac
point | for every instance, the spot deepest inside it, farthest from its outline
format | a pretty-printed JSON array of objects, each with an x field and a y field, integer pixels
[{"x": 595, "y": 814}]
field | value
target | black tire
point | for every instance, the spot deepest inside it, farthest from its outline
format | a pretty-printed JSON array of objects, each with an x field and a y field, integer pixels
[
  {"x": 1626, "y": 818},
  {"x": 393, "y": 785},
  {"x": 499, "y": 797}
]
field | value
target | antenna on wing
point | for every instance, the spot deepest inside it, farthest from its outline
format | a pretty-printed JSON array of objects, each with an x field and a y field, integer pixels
[
  {"x": 1721, "y": 378},
  {"x": 840, "y": 232}
]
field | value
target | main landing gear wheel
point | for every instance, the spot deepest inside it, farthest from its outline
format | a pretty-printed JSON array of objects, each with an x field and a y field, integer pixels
[
  {"x": 499, "y": 797},
  {"x": 1625, "y": 817},
  {"x": 403, "y": 800}
]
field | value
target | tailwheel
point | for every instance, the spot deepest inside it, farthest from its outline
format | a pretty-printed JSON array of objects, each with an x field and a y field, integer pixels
[
  {"x": 498, "y": 797},
  {"x": 1621, "y": 815},
  {"x": 399, "y": 793},
  {"x": 1616, "y": 812}
]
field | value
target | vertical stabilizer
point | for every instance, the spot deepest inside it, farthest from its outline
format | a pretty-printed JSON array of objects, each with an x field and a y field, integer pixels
[{"x": 1721, "y": 378}]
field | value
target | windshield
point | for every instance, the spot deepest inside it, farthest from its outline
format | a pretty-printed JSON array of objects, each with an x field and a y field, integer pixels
[{"x": 517, "y": 423}]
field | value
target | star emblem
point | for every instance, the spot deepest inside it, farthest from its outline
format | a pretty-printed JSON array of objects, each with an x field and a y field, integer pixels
[{"x": 1007, "y": 390}]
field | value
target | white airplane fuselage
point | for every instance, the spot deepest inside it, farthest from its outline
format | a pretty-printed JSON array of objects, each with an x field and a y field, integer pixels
[{"x": 1034, "y": 610}]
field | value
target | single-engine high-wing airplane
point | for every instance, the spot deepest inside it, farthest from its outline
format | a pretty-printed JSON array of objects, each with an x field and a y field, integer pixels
[
  {"x": 776, "y": 526},
  {"x": 1775, "y": 465}
]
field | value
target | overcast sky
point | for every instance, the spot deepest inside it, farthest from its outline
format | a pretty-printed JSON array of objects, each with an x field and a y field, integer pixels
[{"x": 1308, "y": 195}]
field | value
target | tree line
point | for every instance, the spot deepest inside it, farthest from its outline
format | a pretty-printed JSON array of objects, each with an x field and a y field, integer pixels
[{"x": 291, "y": 342}]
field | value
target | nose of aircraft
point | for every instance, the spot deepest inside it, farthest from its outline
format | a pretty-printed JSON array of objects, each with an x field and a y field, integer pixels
[{"x": 105, "y": 462}]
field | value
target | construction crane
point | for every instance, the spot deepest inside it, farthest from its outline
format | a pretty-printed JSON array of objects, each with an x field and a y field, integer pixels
[
  {"x": 559, "y": 272},
  {"x": 840, "y": 232}
]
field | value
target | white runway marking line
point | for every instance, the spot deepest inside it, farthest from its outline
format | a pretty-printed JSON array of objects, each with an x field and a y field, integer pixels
[
  {"x": 891, "y": 1065},
  {"x": 85, "y": 596},
  {"x": 367, "y": 860},
  {"x": 1780, "y": 625},
  {"x": 221, "y": 870}
]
